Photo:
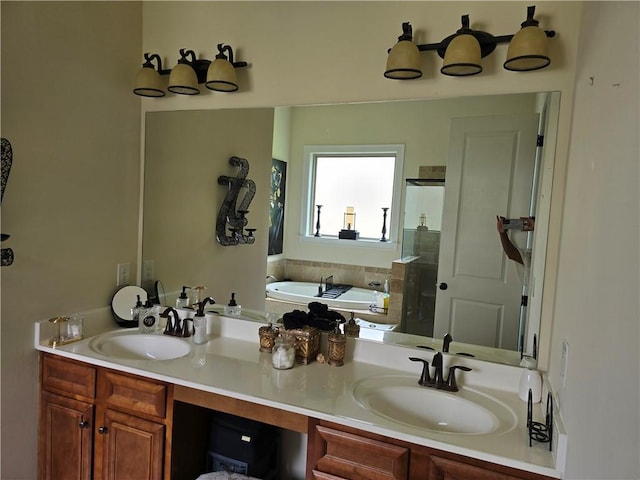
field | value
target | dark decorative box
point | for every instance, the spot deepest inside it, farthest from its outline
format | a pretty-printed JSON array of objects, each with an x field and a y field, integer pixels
[{"x": 349, "y": 234}]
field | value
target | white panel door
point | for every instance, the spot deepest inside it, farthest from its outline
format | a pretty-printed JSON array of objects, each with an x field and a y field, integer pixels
[{"x": 490, "y": 172}]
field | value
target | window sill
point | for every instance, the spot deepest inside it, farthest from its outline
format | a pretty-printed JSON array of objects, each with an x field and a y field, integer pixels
[{"x": 334, "y": 241}]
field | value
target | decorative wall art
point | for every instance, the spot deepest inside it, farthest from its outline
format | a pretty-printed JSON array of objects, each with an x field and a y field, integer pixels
[
  {"x": 232, "y": 216},
  {"x": 276, "y": 206}
]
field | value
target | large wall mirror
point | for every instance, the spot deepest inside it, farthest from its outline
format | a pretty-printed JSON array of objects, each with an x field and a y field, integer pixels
[{"x": 187, "y": 150}]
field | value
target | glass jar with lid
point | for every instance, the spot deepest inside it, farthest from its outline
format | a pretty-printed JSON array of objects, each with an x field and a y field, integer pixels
[{"x": 284, "y": 353}]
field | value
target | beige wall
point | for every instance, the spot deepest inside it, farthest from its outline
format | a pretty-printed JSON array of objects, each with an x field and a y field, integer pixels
[
  {"x": 71, "y": 203},
  {"x": 598, "y": 273},
  {"x": 186, "y": 153},
  {"x": 80, "y": 139}
]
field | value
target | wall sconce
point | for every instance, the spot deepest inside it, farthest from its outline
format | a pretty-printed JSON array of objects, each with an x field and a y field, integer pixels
[
  {"x": 462, "y": 51},
  {"x": 184, "y": 78}
]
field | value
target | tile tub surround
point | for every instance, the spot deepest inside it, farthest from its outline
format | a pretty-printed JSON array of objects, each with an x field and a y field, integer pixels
[
  {"x": 311, "y": 271},
  {"x": 231, "y": 364}
]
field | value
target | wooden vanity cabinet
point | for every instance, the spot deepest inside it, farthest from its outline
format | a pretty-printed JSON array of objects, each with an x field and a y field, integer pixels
[
  {"x": 336, "y": 452},
  {"x": 101, "y": 424}
]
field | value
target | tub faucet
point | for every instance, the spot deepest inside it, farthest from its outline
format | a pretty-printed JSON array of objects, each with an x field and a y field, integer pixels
[
  {"x": 438, "y": 380},
  {"x": 271, "y": 277},
  {"x": 446, "y": 342}
]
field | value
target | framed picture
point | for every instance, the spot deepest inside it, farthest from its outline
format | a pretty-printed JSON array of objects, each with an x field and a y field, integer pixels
[{"x": 276, "y": 206}]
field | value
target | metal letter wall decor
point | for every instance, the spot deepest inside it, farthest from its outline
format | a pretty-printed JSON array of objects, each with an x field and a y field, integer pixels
[
  {"x": 232, "y": 216},
  {"x": 6, "y": 254}
]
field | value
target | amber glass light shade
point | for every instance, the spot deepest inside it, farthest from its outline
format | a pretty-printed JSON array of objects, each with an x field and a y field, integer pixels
[
  {"x": 221, "y": 76},
  {"x": 462, "y": 57},
  {"x": 183, "y": 80},
  {"x": 404, "y": 61},
  {"x": 528, "y": 50},
  {"x": 148, "y": 83}
]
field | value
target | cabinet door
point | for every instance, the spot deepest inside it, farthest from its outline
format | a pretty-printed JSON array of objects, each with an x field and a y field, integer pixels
[
  {"x": 343, "y": 455},
  {"x": 446, "y": 469},
  {"x": 66, "y": 427},
  {"x": 132, "y": 448}
]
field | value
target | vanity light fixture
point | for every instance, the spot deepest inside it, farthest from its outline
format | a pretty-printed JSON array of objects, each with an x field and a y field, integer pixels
[
  {"x": 183, "y": 79},
  {"x": 221, "y": 75},
  {"x": 190, "y": 71},
  {"x": 148, "y": 82},
  {"x": 462, "y": 51}
]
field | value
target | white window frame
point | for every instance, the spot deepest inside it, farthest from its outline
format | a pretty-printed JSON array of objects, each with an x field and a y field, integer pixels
[{"x": 307, "y": 217}]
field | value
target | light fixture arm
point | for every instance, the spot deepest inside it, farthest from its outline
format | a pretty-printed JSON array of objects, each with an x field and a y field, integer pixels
[
  {"x": 149, "y": 58},
  {"x": 222, "y": 48}
]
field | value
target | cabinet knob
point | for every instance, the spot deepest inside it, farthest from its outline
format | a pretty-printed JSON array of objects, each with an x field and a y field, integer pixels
[
  {"x": 102, "y": 430},
  {"x": 83, "y": 424}
]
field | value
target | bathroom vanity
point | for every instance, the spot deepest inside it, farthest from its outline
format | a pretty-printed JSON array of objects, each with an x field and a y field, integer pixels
[{"x": 114, "y": 416}]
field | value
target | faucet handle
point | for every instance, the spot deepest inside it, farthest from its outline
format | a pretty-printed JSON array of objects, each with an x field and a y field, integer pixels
[
  {"x": 451, "y": 385},
  {"x": 425, "y": 378}
]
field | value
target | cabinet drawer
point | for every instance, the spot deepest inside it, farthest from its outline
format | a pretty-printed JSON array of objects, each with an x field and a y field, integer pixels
[
  {"x": 133, "y": 394},
  {"x": 347, "y": 455},
  {"x": 68, "y": 377}
]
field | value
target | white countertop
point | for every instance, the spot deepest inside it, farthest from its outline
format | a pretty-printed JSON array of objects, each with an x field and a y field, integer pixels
[{"x": 231, "y": 364}]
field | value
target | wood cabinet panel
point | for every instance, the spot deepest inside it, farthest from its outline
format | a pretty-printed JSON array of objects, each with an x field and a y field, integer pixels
[
  {"x": 133, "y": 394},
  {"x": 269, "y": 415},
  {"x": 340, "y": 452},
  {"x": 325, "y": 476},
  {"x": 131, "y": 448},
  {"x": 447, "y": 469},
  {"x": 68, "y": 378},
  {"x": 65, "y": 438},
  {"x": 350, "y": 456}
]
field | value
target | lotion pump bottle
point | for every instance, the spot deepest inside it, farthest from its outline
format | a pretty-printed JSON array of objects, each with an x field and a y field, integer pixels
[
  {"x": 137, "y": 310},
  {"x": 200, "y": 322},
  {"x": 183, "y": 300},
  {"x": 233, "y": 308}
]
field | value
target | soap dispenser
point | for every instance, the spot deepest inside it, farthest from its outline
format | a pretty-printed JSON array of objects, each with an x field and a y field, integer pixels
[
  {"x": 137, "y": 310},
  {"x": 232, "y": 308},
  {"x": 148, "y": 318},
  {"x": 183, "y": 299},
  {"x": 351, "y": 328},
  {"x": 337, "y": 347},
  {"x": 200, "y": 322}
]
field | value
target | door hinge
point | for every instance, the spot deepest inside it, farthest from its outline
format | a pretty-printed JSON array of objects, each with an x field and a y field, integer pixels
[
  {"x": 524, "y": 301},
  {"x": 540, "y": 141}
]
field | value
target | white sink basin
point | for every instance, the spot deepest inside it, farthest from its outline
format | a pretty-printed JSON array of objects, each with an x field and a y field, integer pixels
[
  {"x": 134, "y": 346},
  {"x": 400, "y": 399}
]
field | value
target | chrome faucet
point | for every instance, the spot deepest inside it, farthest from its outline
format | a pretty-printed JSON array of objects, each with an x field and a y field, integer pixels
[{"x": 271, "y": 277}]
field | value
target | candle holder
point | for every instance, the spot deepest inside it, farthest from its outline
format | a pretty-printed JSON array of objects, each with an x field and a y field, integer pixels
[
  {"x": 384, "y": 224},
  {"x": 317, "y": 234},
  {"x": 538, "y": 431},
  {"x": 349, "y": 231}
]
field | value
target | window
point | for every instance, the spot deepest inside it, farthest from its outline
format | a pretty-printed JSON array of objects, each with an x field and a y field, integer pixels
[{"x": 366, "y": 178}]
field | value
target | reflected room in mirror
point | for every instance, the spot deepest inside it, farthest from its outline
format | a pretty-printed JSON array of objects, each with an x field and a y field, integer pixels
[{"x": 494, "y": 167}]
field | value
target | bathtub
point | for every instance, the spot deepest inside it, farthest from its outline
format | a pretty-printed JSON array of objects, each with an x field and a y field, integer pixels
[{"x": 305, "y": 293}]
